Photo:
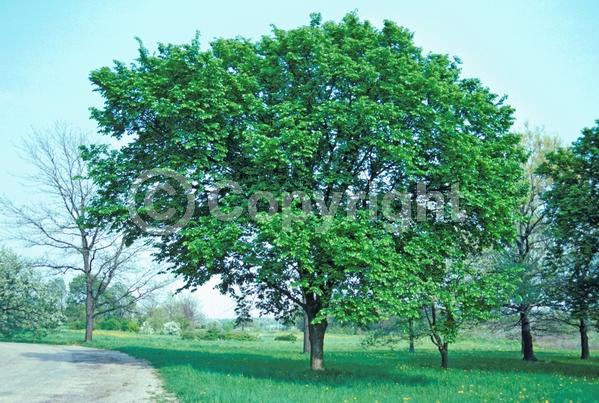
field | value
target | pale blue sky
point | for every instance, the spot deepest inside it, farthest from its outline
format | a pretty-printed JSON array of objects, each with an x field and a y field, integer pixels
[{"x": 544, "y": 55}]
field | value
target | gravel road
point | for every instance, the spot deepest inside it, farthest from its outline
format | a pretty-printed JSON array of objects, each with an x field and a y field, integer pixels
[{"x": 44, "y": 373}]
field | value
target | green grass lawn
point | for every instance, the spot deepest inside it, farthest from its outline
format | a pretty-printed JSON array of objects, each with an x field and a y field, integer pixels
[{"x": 276, "y": 371}]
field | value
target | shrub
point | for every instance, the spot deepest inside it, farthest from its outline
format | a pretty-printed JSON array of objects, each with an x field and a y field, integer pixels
[
  {"x": 239, "y": 336},
  {"x": 212, "y": 334},
  {"x": 132, "y": 326},
  {"x": 146, "y": 328},
  {"x": 191, "y": 334},
  {"x": 125, "y": 325},
  {"x": 217, "y": 334},
  {"x": 109, "y": 324},
  {"x": 171, "y": 329},
  {"x": 76, "y": 325},
  {"x": 286, "y": 337}
]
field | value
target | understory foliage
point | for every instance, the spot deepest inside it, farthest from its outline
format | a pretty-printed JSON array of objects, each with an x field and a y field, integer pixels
[
  {"x": 343, "y": 113},
  {"x": 118, "y": 309}
]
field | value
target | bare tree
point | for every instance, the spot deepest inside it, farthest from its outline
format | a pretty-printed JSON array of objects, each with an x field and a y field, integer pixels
[
  {"x": 184, "y": 308},
  {"x": 60, "y": 223}
]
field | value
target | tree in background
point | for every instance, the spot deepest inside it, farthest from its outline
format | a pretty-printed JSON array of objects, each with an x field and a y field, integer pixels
[
  {"x": 27, "y": 302},
  {"x": 319, "y": 111},
  {"x": 458, "y": 290},
  {"x": 243, "y": 317},
  {"x": 183, "y": 309},
  {"x": 59, "y": 223},
  {"x": 571, "y": 203},
  {"x": 395, "y": 330},
  {"x": 530, "y": 247},
  {"x": 116, "y": 308}
]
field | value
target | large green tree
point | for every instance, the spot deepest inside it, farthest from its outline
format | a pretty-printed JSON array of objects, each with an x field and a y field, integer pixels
[
  {"x": 337, "y": 113},
  {"x": 572, "y": 201}
]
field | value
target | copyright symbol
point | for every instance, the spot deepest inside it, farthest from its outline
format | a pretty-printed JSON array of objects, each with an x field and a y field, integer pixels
[{"x": 161, "y": 182}]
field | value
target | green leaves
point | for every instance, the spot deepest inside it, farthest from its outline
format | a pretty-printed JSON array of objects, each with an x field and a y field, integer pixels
[
  {"x": 572, "y": 202},
  {"x": 325, "y": 109}
]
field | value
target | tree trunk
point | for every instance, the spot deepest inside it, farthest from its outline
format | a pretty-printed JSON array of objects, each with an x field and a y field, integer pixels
[
  {"x": 89, "y": 315},
  {"x": 411, "y": 335},
  {"x": 444, "y": 350},
  {"x": 584, "y": 340},
  {"x": 437, "y": 340},
  {"x": 317, "y": 332},
  {"x": 306, "y": 333},
  {"x": 527, "y": 348}
]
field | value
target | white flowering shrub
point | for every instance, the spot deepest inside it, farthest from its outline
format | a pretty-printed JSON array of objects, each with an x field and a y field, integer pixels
[
  {"x": 172, "y": 329},
  {"x": 146, "y": 328},
  {"x": 28, "y": 303}
]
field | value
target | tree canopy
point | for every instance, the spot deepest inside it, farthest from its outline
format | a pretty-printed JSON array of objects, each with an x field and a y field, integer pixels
[
  {"x": 342, "y": 125},
  {"x": 571, "y": 203}
]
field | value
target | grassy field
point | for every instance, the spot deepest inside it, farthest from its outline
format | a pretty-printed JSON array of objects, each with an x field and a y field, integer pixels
[{"x": 276, "y": 371}]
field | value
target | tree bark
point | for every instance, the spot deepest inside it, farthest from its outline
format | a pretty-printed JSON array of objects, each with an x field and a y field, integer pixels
[
  {"x": 89, "y": 316},
  {"x": 527, "y": 346},
  {"x": 411, "y": 335},
  {"x": 437, "y": 340},
  {"x": 444, "y": 350},
  {"x": 306, "y": 333},
  {"x": 89, "y": 290},
  {"x": 317, "y": 332},
  {"x": 584, "y": 340}
]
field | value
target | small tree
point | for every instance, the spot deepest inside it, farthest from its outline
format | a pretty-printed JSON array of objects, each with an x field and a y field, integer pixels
[
  {"x": 242, "y": 317},
  {"x": 147, "y": 329},
  {"x": 467, "y": 293},
  {"x": 455, "y": 288},
  {"x": 115, "y": 302},
  {"x": 171, "y": 329},
  {"x": 572, "y": 200},
  {"x": 27, "y": 303}
]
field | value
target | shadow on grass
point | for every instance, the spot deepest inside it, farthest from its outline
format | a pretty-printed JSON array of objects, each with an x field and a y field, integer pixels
[
  {"x": 506, "y": 361},
  {"x": 345, "y": 369},
  {"x": 283, "y": 369}
]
